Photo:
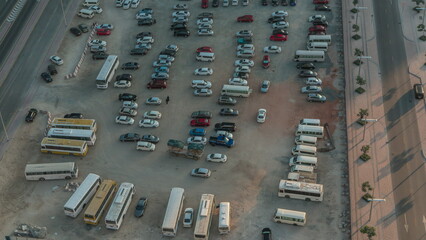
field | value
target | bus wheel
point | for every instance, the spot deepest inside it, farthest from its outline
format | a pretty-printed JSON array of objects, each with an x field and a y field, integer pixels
[
  {"x": 41, "y": 179},
  {"x": 307, "y": 199},
  {"x": 287, "y": 196}
]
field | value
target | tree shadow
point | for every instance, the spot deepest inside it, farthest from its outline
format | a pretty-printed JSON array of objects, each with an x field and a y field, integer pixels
[
  {"x": 399, "y": 109},
  {"x": 400, "y": 208},
  {"x": 400, "y": 160}
]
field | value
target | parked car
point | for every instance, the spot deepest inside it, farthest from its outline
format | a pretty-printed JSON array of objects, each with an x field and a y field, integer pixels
[
  {"x": 181, "y": 14},
  {"x": 316, "y": 97},
  {"x": 197, "y": 139},
  {"x": 245, "y": 18},
  {"x": 245, "y": 53},
  {"x": 180, "y": 19},
  {"x": 228, "y": 112},
  {"x": 205, "y": 32},
  {"x": 145, "y": 146},
  {"x": 143, "y": 34},
  {"x": 201, "y": 114},
  {"x": 205, "y": 20},
  {"x": 205, "y": 49},
  {"x": 264, "y": 3},
  {"x": 307, "y": 66},
  {"x": 95, "y": 9},
  {"x": 97, "y": 42},
  {"x": 266, "y": 61},
  {"x": 261, "y": 115},
  {"x": 317, "y": 28},
  {"x": 125, "y": 120},
  {"x": 267, "y": 234},
  {"x": 32, "y": 113},
  {"x": 122, "y": 84},
  {"x": 320, "y": 1},
  {"x": 317, "y": 18},
  {"x": 161, "y": 70},
  {"x": 278, "y": 37},
  {"x": 322, "y": 8},
  {"x": 130, "y": 104},
  {"x": 200, "y": 122},
  {"x": 149, "y": 22},
  {"x": 242, "y": 75},
  {"x": 237, "y": 81},
  {"x": 280, "y": 13},
  {"x": 215, "y": 3},
  {"x": 160, "y": 76},
  {"x": 56, "y": 60},
  {"x": 149, "y": 123},
  {"x": 205, "y": 15},
  {"x": 292, "y": 3},
  {"x": 125, "y": 111},
  {"x": 280, "y": 25},
  {"x": 130, "y": 66},
  {"x": 153, "y": 101},
  {"x": 139, "y": 51},
  {"x": 205, "y": 25},
  {"x": 141, "y": 206},
  {"x": 217, "y": 157},
  {"x": 201, "y": 172},
  {"x": 75, "y": 31},
  {"x": 181, "y": 33},
  {"x": 244, "y": 62},
  {"x": 307, "y": 73},
  {"x": 265, "y": 86},
  {"x": 83, "y": 28},
  {"x": 203, "y": 71},
  {"x": 204, "y": 3},
  {"x": 244, "y": 33},
  {"x": 52, "y": 69},
  {"x": 244, "y": 69},
  {"x": 127, "y": 97},
  {"x": 150, "y": 138},
  {"x": 101, "y": 32},
  {"x": 46, "y": 77},
  {"x": 130, "y": 137},
  {"x": 203, "y": 92},
  {"x": 74, "y": 115},
  {"x": 245, "y": 47},
  {"x": 279, "y": 31},
  {"x": 197, "y": 132},
  {"x": 187, "y": 217},
  {"x": 225, "y": 100},
  {"x": 272, "y": 49},
  {"x": 276, "y": 19},
  {"x": 157, "y": 84},
  {"x": 100, "y": 56},
  {"x": 146, "y": 10},
  {"x": 180, "y": 6},
  {"x": 311, "y": 89},
  {"x": 162, "y": 63},
  {"x": 313, "y": 81}
]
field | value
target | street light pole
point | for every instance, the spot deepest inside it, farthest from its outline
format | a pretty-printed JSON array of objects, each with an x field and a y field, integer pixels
[
  {"x": 371, "y": 206},
  {"x": 367, "y": 120}
]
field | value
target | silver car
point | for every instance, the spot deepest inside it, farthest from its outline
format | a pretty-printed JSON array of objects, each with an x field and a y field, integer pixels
[
  {"x": 311, "y": 89},
  {"x": 205, "y": 32},
  {"x": 245, "y": 53},
  {"x": 203, "y": 92},
  {"x": 316, "y": 97}
]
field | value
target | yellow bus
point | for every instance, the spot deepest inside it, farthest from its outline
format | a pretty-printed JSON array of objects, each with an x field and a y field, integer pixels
[
  {"x": 84, "y": 124},
  {"x": 100, "y": 202},
  {"x": 64, "y": 146}
]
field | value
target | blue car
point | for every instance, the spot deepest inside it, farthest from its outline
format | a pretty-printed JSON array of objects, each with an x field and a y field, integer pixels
[
  {"x": 161, "y": 70},
  {"x": 197, "y": 132}
]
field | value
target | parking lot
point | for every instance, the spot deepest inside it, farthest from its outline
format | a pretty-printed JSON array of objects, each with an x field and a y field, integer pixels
[{"x": 250, "y": 177}]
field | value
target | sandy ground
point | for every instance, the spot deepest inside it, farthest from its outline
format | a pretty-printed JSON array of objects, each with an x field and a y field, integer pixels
[{"x": 249, "y": 180}]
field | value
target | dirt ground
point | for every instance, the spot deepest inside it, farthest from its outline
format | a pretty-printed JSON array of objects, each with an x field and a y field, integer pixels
[{"x": 249, "y": 180}]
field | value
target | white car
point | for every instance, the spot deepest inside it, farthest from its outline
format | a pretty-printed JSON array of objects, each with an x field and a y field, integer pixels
[
  {"x": 203, "y": 92},
  {"x": 197, "y": 139},
  {"x": 224, "y": 133},
  {"x": 203, "y": 71},
  {"x": 261, "y": 115},
  {"x": 153, "y": 101},
  {"x": 317, "y": 17},
  {"x": 205, "y": 25},
  {"x": 180, "y": 19},
  {"x": 245, "y": 47},
  {"x": 272, "y": 49},
  {"x": 187, "y": 217},
  {"x": 172, "y": 47},
  {"x": 145, "y": 40},
  {"x": 130, "y": 104},
  {"x": 280, "y": 14},
  {"x": 105, "y": 26},
  {"x": 244, "y": 62},
  {"x": 122, "y": 84},
  {"x": 145, "y": 146},
  {"x": 244, "y": 33},
  {"x": 217, "y": 157},
  {"x": 96, "y": 9},
  {"x": 149, "y": 123},
  {"x": 181, "y": 14},
  {"x": 126, "y": 4},
  {"x": 245, "y": 54},
  {"x": 280, "y": 25},
  {"x": 128, "y": 112},
  {"x": 97, "y": 42},
  {"x": 166, "y": 57},
  {"x": 234, "y": 2},
  {"x": 126, "y": 120},
  {"x": 313, "y": 81},
  {"x": 56, "y": 60},
  {"x": 205, "y": 20},
  {"x": 244, "y": 69},
  {"x": 152, "y": 115},
  {"x": 311, "y": 89},
  {"x": 143, "y": 16},
  {"x": 180, "y": 6},
  {"x": 135, "y": 3},
  {"x": 238, "y": 82},
  {"x": 205, "y": 32},
  {"x": 161, "y": 63}
]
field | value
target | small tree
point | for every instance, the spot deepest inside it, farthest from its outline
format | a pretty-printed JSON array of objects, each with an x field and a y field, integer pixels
[
  {"x": 366, "y": 187},
  {"x": 355, "y": 2},
  {"x": 418, "y": 2},
  {"x": 360, "y": 81},
  {"x": 355, "y": 28},
  {"x": 358, "y": 52},
  {"x": 356, "y": 37},
  {"x": 370, "y": 231},
  {"x": 362, "y": 114},
  {"x": 364, "y": 156}
]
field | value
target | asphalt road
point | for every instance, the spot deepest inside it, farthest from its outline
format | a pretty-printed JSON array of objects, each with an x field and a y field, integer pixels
[
  {"x": 26, "y": 70},
  {"x": 407, "y": 163}
]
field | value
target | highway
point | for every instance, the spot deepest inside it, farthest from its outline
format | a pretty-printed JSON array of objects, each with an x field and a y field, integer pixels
[{"x": 407, "y": 163}]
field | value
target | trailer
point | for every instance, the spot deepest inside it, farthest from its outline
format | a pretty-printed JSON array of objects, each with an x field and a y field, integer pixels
[{"x": 178, "y": 148}]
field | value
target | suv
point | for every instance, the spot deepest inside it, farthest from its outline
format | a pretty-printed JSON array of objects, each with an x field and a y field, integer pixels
[
  {"x": 225, "y": 100},
  {"x": 139, "y": 51},
  {"x": 127, "y": 97},
  {"x": 201, "y": 114},
  {"x": 99, "y": 56},
  {"x": 157, "y": 84},
  {"x": 205, "y": 15},
  {"x": 130, "y": 66},
  {"x": 181, "y": 33},
  {"x": 225, "y": 126},
  {"x": 176, "y": 26}
]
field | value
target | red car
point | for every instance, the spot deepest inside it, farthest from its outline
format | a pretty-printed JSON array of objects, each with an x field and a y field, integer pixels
[
  {"x": 320, "y": 1},
  {"x": 278, "y": 37},
  {"x": 317, "y": 28},
  {"x": 245, "y": 18},
  {"x": 266, "y": 62},
  {"x": 204, "y": 3},
  {"x": 200, "y": 122},
  {"x": 204, "y": 49},
  {"x": 103, "y": 32},
  {"x": 157, "y": 84}
]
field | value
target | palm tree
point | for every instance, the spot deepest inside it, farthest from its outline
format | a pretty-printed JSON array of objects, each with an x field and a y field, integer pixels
[{"x": 362, "y": 113}]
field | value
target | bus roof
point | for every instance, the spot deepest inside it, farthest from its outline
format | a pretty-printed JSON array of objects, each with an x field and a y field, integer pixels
[
  {"x": 311, "y": 53},
  {"x": 204, "y": 214},
  {"x": 73, "y": 121},
  {"x": 302, "y": 186},
  {"x": 235, "y": 87},
  {"x": 68, "y": 131},
  {"x": 100, "y": 196},
  {"x": 82, "y": 189},
  {"x": 224, "y": 214},
  {"x": 49, "y": 166},
  {"x": 60, "y": 141},
  {"x": 291, "y": 213},
  {"x": 119, "y": 200},
  {"x": 174, "y": 203},
  {"x": 106, "y": 68},
  {"x": 310, "y": 127}
]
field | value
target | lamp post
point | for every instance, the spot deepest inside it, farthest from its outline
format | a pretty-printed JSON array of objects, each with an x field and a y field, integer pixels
[
  {"x": 367, "y": 120},
  {"x": 371, "y": 206},
  {"x": 358, "y": 8}
]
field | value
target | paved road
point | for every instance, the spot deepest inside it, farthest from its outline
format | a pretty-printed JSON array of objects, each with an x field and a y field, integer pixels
[
  {"x": 26, "y": 70},
  {"x": 407, "y": 163}
]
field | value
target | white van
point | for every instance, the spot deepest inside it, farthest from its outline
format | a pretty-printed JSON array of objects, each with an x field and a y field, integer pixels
[
  {"x": 225, "y": 3},
  {"x": 224, "y": 217},
  {"x": 290, "y": 217},
  {"x": 306, "y": 140},
  {"x": 310, "y": 122},
  {"x": 205, "y": 57},
  {"x": 319, "y": 46},
  {"x": 303, "y": 160},
  {"x": 314, "y": 131},
  {"x": 302, "y": 168},
  {"x": 88, "y": 3},
  {"x": 119, "y": 3},
  {"x": 303, "y": 150},
  {"x": 145, "y": 146},
  {"x": 320, "y": 38},
  {"x": 200, "y": 84},
  {"x": 86, "y": 13}
]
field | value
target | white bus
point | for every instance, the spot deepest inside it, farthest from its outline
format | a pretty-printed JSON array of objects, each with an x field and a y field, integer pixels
[
  {"x": 64, "y": 146},
  {"x": 100, "y": 202},
  {"x": 82, "y": 195},
  {"x": 309, "y": 56},
  {"x": 74, "y": 134},
  {"x": 204, "y": 217},
  {"x": 300, "y": 190},
  {"x": 224, "y": 217},
  {"x": 235, "y": 91},
  {"x": 320, "y": 38},
  {"x": 313, "y": 131},
  {"x": 51, "y": 171},
  {"x": 173, "y": 211},
  {"x": 119, "y": 206},
  {"x": 85, "y": 124},
  {"x": 107, "y": 72},
  {"x": 290, "y": 217}
]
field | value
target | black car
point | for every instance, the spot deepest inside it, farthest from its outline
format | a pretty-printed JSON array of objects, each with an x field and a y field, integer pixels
[
  {"x": 52, "y": 69},
  {"x": 139, "y": 51},
  {"x": 150, "y": 138},
  {"x": 275, "y": 3},
  {"x": 143, "y": 34},
  {"x": 75, "y": 31},
  {"x": 284, "y": 2},
  {"x": 125, "y": 76},
  {"x": 205, "y": 15},
  {"x": 267, "y": 234},
  {"x": 148, "y": 22},
  {"x": 322, "y": 8},
  {"x": 130, "y": 137},
  {"x": 130, "y": 66},
  {"x": 242, "y": 75},
  {"x": 276, "y": 19},
  {"x": 176, "y": 26},
  {"x": 228, "y": 112},
  {"x": 168, "y": 52},
  {"x": 321, "y": 23},
  {"x": 99, "y": 56},
  {"x": 225, "y": 126},
  {"x": 279, "y": 31},
  {"x": 127, "y": 97},
  {"x": 307, "y": 73},
  {"x": 83, "y": 27},
  {"x": 146, "y": 11},
  {"x": 215, "y": 3},
  {"x": 201, "y": 114},
  {"x": 307, "y": 66},
  {"x": 74, "y": 115},
  {"x": 264, "y": 2},
  {"x": 141, "y": 206},
  {"x": 46, "y": 77},
  {"x": 32, "y": 113},
  {"x": 181, "y": 33}
]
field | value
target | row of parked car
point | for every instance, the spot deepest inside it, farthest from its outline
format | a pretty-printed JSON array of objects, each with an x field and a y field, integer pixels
[{"x": 225, "y": 3}]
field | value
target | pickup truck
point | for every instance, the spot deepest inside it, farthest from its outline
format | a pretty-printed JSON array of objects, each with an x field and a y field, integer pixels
[{"x": 222, "y": 141}]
